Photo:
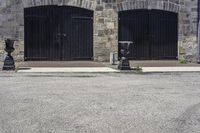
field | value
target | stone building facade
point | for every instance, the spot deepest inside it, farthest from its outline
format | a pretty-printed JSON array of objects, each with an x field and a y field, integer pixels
[{"x": 105, "y": 35}]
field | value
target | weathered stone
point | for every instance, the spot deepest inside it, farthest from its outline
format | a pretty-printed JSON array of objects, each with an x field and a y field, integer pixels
[
  {"x": 110, "y": 25},
  {"x": 105, "y": 22},
  {"x": 182, "y": 51},
  {"x": 99, "y": 8}
]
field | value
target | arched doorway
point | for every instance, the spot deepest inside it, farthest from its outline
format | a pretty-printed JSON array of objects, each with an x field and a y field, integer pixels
[
  {"x": 155, "y": 33},
  {"x": 58, "y": 33}
]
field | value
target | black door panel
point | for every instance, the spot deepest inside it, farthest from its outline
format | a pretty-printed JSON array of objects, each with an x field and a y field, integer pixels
[
  {"x": 153, "y": 31},
  {"x": 58, "y": 33}
]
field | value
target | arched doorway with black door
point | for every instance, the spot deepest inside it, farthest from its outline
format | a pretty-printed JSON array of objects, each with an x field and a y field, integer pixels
[
  {"x": 154, "y": 32},
  {"x": 58, "y": 33}
]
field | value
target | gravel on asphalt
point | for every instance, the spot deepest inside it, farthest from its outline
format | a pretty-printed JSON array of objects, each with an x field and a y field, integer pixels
[{"x": 100, "y": 103}]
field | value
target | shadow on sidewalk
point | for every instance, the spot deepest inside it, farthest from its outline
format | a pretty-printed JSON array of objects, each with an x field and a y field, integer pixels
[{"x": 60, "y": 64}]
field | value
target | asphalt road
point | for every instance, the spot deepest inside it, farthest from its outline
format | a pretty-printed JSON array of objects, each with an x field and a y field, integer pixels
[{"x": 100, "y": 103}]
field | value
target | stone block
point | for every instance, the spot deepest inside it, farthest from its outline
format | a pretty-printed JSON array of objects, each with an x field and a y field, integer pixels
[
  {"x": 182, "y": 50},
  {"x": 110, "y": 25}
]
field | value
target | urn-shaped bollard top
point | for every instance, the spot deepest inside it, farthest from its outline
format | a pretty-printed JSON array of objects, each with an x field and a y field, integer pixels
[
  {"x": 9, "y": 45},
  {"x": 124, "y": 62}
]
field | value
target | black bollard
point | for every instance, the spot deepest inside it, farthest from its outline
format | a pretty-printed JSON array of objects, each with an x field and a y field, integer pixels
[
  {"x": 124, "y": 62},
  {"x": 9, "y": 63}
]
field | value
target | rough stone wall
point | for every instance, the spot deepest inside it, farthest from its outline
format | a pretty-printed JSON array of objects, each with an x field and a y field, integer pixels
[
  {"x": 188, "y": 21},
  {"x": 105, "y": 22},
  {"x": 106, "y": 16},
  {"x": 105, "y": 29},
  {"x": 12, "y": 20}
]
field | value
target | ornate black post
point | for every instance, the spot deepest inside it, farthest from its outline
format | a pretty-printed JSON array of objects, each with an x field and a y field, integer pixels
[
  {"x": 124, "y": 62},
  {"x": 9, "y": 63}
]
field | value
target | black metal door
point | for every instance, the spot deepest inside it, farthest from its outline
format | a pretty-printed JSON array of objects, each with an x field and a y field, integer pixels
[
  {"x": 154, "y": 33},
  {"x": 52, "y": 33},
  {"x": 77, "y": 32}
]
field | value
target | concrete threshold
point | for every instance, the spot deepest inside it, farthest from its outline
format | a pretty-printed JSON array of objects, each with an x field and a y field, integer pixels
[
  {"x": 67, "y": 70},
  {"x": 170, "y": 69}
]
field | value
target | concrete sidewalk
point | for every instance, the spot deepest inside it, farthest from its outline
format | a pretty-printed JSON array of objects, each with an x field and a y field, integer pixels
[
  {"x": 67, "y": 70},
  {"x": 105, "y": 70},
  {"x": 170, "y": 69}
]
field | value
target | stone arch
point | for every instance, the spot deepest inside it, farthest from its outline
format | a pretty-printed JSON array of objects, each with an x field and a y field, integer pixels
[
  {"x": 175, "y": 6},
  {"x": 145, "y": 4},
  {"x": 87, "y": 4}
]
